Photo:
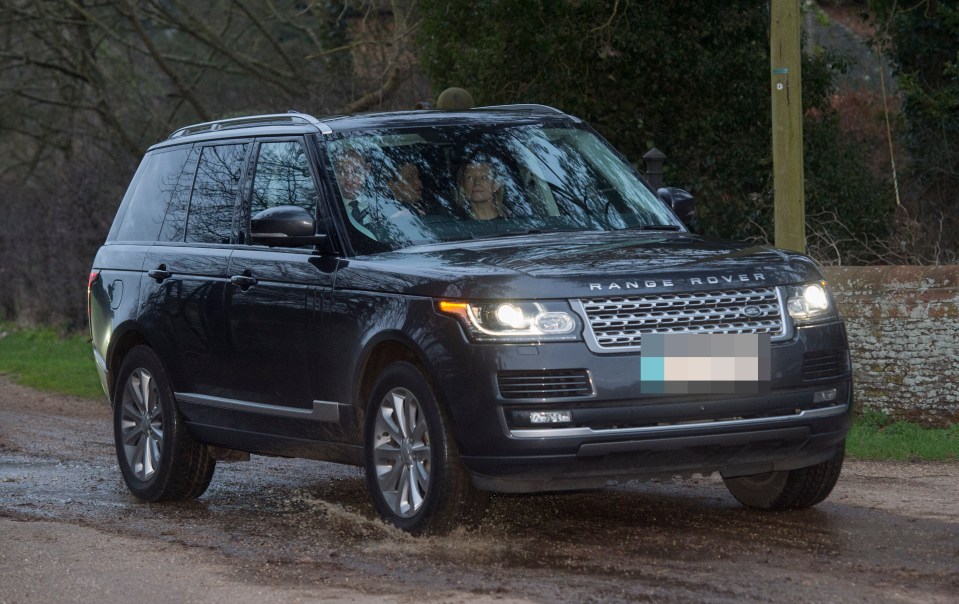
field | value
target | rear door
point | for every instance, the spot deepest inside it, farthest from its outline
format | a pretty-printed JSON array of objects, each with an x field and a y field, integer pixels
[{"x": 186, "y": 272}]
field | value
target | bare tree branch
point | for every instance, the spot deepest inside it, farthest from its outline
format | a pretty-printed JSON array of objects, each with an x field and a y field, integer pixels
[{"x": 184, "y": 92}]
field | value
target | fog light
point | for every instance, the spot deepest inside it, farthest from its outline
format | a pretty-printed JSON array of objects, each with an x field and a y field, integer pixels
[
  {"x": 550, "y": 417},
  {"x": 824, "y": 396}
]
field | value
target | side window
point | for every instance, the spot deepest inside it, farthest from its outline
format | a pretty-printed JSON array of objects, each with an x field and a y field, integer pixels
[
  {"x": 174, "y": 225},
  {"x": 210, "y": 218},
  {"x": 154, "y": 188},
  {"x": 283, "y": 178}
]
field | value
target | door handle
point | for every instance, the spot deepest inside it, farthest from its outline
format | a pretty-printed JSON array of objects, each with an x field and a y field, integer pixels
[
  {"x": 159, "y": 273},
  {"x": 243, "y": 281}
]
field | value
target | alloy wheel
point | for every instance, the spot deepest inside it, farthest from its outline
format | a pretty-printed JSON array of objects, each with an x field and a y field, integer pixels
[
  {"x": 141, "y": 424},
  {"x": 401, "y": 452}
]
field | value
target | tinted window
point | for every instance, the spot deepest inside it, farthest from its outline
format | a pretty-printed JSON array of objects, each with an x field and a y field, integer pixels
[
  {"x": 215, "y": 186},
  {"x": 174, "y": 225},
  {"x": 153, "y": 189},
  {"x": 444, "y": 183},
  {"x": 283, "y": 178}
]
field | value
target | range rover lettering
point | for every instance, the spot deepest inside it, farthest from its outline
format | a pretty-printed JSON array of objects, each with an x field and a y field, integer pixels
[{"x": 465, "y": 302}]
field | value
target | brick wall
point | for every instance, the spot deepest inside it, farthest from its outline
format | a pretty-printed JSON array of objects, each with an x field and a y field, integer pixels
[{"x": 903, "y": 325}]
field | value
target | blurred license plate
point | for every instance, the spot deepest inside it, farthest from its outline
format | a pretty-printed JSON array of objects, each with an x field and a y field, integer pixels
[{"x": 686, "y": 363}]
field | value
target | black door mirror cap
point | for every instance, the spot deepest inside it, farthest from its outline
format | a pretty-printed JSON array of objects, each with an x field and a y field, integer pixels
[
  {"x": 681, "y": 202},
  {"x": 287, "y": 226}
]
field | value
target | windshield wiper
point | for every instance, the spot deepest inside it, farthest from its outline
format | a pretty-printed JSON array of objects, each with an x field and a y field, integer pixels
[
  {"x": 535, "y": 231},
  {"x": 654, "y": 227}
]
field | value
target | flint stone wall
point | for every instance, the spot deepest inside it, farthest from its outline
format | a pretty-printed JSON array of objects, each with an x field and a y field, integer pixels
[{"x": 903, "y": 327}]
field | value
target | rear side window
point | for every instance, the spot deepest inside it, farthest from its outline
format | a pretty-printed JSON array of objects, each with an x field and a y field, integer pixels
[
  {"x": 156, "y": 181},
  {"x": 215, "y": 187}
]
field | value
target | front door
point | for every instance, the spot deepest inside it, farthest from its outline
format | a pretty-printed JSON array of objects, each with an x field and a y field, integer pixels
[{"x": 274, "y": 292}]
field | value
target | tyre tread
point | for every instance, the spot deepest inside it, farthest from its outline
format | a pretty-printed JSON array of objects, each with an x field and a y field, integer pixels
[
  {"x": 802, "y": 488},
  {"x": 191, "y": 466},
  {"x": 455, "y": 500}
]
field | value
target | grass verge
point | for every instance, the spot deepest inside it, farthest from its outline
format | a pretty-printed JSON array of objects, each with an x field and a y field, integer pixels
[
  {"x": 877, "y": 436},
  {"x": 46, "y": 360}
]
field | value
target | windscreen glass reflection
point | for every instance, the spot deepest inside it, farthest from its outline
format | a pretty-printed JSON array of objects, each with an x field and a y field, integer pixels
[{"x": 415, "y": 186}]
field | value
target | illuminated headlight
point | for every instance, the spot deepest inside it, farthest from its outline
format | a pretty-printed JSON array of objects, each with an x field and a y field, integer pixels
[
  {"x": 810, "y": 302},
  {"x": 514, "y": 320}
]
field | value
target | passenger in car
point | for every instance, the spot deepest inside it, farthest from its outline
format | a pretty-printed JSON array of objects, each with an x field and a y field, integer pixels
[
  {"x": 406, "y": 187},
  {"x": 481, "y": 190},
  {"x": 352, "y": 171}
]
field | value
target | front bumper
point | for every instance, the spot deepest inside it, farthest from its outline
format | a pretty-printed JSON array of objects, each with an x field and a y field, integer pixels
[{"x": 618, "y": 432}]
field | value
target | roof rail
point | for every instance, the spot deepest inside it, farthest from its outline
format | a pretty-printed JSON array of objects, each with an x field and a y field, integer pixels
[
  {"x": 531, "y": 107},
  {"x": 276, "y": 119}
]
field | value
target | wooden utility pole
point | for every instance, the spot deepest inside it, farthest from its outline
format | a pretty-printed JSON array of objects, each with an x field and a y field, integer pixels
[{"x": 785, "y": 61}]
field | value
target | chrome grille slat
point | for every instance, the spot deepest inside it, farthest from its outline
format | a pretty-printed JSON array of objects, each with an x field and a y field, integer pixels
[{"x": 617, "y": 323}]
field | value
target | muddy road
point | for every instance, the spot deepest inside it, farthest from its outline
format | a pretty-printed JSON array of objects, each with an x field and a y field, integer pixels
[{"x": 277, "y": 530}]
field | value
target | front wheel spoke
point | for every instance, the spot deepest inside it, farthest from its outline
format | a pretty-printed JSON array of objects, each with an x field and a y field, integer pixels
[
  {"x": 399, "y": 409},
  {"x": 130, "y": 434},
  {"x": 412, "y": 415},
  {"x": 146, "y": 387},
  {"x": 156, "y": 411},
  {"x": 386, "y": 423},
  {"x": 157, "y": 433},
  {"x": 420, "y": 431},
  {"x": 389, "y": 479},
  {"x": 386, "y": 451},
  {"x": 406, "y": 485},
  {"x": 422, "y": 477},
  {"x": 417, "y": 489}
]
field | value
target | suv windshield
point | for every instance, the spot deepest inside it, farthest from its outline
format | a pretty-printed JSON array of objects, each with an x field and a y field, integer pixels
[{"x": 435, "y": 184}]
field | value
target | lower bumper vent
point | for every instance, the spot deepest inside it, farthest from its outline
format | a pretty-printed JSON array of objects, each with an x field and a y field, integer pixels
[
  {"x": 826, "y": 364},
  {"x": 547, "y": 383}
]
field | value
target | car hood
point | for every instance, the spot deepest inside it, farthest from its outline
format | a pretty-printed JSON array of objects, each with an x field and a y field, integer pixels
[{"x": 567, "y": 265}]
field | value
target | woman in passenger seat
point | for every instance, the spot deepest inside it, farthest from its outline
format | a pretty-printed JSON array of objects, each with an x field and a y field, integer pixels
[{"x": 481, "y": 189}]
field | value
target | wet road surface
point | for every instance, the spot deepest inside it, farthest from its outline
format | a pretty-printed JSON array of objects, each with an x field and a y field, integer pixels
[{"x": 283, "y": 530}]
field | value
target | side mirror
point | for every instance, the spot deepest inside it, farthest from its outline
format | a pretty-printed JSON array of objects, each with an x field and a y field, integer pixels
[
  {"x": 286, "y": 226},
  {"x": 681, "y": 203}
]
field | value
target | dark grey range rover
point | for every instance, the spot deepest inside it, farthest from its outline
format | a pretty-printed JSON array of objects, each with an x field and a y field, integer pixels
[{"x": 461, "y": 302}]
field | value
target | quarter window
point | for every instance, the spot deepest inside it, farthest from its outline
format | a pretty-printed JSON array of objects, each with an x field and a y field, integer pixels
[{"x": 149, "y": 201}]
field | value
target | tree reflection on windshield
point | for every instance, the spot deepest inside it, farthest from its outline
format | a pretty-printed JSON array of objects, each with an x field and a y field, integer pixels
[{"x": 436, "y": 184}]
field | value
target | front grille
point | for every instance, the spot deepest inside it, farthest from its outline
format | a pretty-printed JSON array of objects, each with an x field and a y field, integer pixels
[
  {"x": 826, "y": 364},
  {"x": 619, "y": 322},
  {"x": 546, "y": 383}
]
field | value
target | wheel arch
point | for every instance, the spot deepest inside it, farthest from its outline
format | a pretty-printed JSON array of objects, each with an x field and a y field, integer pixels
[
  {"x": 384, "y": 350},
  {"x": 125, "y": 339}
]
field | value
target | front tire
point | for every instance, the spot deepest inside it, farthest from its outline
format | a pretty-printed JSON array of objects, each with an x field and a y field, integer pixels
[
  {"x": 413, "y": 470},
  {"x": 158, "y": 458},
  {"x": 788, "y": 489}
]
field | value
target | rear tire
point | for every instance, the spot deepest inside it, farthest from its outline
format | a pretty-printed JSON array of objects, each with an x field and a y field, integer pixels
[
  {"x": 413, "y": 469},
  {"x": 158, "y": 458},
  {"x": 788, "y": 489}
]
